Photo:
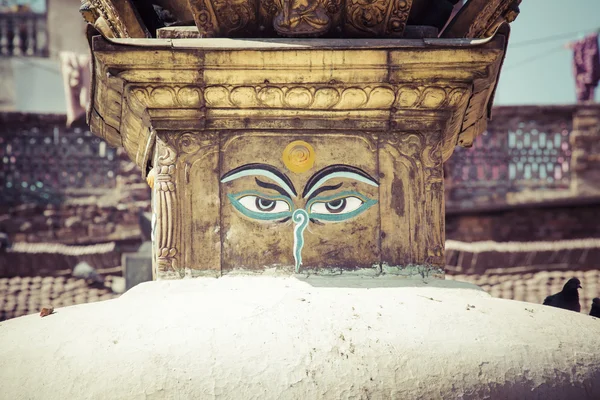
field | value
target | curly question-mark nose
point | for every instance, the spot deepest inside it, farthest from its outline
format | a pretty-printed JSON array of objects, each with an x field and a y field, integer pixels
[{"x": 300, "y": 219}]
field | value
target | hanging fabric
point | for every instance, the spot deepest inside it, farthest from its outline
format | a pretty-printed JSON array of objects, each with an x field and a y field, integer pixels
[
  {"x": 76, "y": 79},
  {"x": 586, "y": 67}
]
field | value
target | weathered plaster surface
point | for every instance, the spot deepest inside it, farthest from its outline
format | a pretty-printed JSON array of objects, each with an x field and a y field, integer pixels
[{"x": 339, "y": 337}]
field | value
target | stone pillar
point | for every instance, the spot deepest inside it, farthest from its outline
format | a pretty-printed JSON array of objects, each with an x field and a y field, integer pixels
[{"x": 585, "y": 145}]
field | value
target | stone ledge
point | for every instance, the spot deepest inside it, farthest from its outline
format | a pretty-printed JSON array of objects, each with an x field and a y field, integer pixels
[{"x": 383, "y": 271}]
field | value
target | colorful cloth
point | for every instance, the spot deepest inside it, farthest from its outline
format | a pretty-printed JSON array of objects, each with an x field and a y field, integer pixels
[
  {"x": 76, "y": 79},
  {"x": 586, "y": 67}
]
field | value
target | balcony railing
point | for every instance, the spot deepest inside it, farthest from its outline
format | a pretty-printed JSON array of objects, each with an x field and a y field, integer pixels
[
  {"x": 23, "y": 34},
  {"x": 524, "y": 149},
  {"x": 41, "y": 160}
]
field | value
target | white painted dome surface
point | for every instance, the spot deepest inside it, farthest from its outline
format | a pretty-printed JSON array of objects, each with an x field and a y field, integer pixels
[{"x": 284, "y": 338}]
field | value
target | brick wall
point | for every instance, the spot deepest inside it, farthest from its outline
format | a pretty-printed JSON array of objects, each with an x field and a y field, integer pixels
[{"x": 523, "y": 224}]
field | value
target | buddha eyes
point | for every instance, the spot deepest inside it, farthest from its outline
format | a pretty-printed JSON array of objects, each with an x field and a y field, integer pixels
[
  {"x": 342, "y": 205},
  {"x": 336, "y": 208},
  {"x": 339, "y": 207},
  {"x": 264, "y": 205}
]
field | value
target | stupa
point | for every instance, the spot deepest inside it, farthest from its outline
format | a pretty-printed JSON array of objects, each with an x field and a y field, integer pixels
[{"x": 295, "y": 149}]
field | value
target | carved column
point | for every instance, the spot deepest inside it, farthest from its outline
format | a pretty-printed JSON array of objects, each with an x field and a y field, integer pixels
[{"x": 166, "y": 232}]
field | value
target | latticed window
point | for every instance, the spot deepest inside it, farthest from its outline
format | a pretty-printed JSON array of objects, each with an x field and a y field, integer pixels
[
  {"x": 525, "y": 149},
  {"x": 23, "y": 28},
  {"x": 41, "y": 160}
]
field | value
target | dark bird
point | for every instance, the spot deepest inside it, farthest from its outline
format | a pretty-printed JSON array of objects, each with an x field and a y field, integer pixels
[
  {"x": 567, "y": 298},
  {"x": 85, "y": 271},
  {"x": 4, "y": 241},
  {"x": 145, "y": 221},
  {"x": 595, "y": 311}
]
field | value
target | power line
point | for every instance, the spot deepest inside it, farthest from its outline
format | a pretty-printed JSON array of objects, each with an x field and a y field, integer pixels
[
  {"x": 552, "y": 37},
  {"x": 534, "y": 58}
]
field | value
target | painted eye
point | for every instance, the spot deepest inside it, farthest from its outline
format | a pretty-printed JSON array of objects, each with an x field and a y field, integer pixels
[
  {"x": 264, "y": 205},
  {"x": 260, "y": 206},
  {"x": 340, "y": 207},
  {"x": 337, "y": 206}
]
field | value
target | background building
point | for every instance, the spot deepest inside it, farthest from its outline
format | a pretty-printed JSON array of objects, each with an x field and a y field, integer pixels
[{"x": 63, "y": 190}]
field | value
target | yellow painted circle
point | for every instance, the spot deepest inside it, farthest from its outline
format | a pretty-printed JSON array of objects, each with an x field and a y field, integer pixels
[{"x": 299, "y": 156}]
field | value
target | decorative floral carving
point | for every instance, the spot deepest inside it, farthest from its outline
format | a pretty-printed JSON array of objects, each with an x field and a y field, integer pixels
[
  {"x": 431, "y": 97},
  {"x": 269, "y": 7},
  {"x": 168, "y": 96},
  {"x": 104, "y": 17},
  {"x": 377, "y": 17},
  {"x": 494, "y": 13},
  {"x": 190, "y": 143},
  {"x": 398, "y": 17},
  {"x": 333, "y": 6},
  {"x": 204, "y": 17},
  {"x": 164, "y": 186},
  {"x": 222, "y": 17},
  {"x": 301, "y": 18},
  {"x": 191, "y": 147},
  {"x": 299, "y": 97},
  {"x": 366, "y": 15},
  {"x": 234, "y": 16},
  {"x": 205, "y": 21}
]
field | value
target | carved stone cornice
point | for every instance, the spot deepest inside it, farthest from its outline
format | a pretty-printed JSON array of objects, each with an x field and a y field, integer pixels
[{"x": 416, "y": 86}]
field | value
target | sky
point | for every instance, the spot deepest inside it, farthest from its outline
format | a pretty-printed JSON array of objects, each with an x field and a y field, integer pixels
[{"x": 541, "y": 73}]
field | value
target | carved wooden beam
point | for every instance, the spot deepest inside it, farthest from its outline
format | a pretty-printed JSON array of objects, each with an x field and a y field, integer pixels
[
  {"x": 114, "y": 18},
  {"x": 481, "y": 18},
  {"x": 292, "y": 18}
]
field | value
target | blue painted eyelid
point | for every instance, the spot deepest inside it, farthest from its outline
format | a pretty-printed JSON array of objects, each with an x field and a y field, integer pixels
[
  {"x": 342, "y": 217},
  {"x": 341, "y": 195},
  {"x": 235, "y": 197},
  {"x": 245, "y": 193}
]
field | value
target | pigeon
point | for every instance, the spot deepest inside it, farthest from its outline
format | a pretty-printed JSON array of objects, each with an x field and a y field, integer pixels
[
  {"x": 85, "y": 271},
  {"x": 567, "y": 298},
  {"x": 595, "y": 311},
  {"x": 4, "y": 241},
  {"x": 145, "y": 221}
]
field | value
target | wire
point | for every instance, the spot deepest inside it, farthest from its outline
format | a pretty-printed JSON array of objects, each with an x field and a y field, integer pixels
[
  {"x": 552, "y": 37},
  {"x": 534, "y": 58}
]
